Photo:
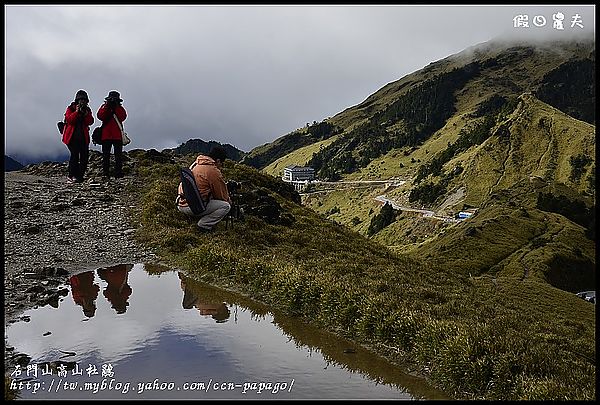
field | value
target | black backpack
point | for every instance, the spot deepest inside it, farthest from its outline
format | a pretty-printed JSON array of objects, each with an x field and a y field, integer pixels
[{"x": 190, "y": 191}]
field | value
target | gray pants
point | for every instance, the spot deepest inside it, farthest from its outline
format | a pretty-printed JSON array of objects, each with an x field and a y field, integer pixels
[{"x": 214, "y": 213}]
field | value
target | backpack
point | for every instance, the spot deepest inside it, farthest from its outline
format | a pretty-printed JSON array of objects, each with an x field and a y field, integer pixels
[
  {"x": 190, "y": 191},
  {"x": 97, "y": 136},
  {"x": 61, "y": 126}
]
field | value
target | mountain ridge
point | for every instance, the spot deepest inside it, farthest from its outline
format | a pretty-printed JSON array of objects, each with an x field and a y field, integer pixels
[
  {"x": 11, "y": 164},
  {"x": 490, "y": 56},
  {"x": 197, "y": 146}
]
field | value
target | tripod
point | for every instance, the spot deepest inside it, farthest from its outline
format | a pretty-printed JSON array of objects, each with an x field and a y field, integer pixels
[{"x": 235, "y": 213}]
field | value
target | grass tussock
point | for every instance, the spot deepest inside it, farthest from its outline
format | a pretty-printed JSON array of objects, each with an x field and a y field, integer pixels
[{"x": 475, "y": 337}]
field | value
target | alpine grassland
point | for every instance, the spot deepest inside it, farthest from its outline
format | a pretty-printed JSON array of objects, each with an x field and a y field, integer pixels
[{"x": 475, "y": 334}]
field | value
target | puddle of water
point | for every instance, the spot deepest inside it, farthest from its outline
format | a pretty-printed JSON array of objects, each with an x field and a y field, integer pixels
[{"x": 132, "y": 332}]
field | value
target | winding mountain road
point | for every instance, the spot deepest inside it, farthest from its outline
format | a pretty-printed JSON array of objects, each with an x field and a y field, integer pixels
[{"x": 426, "y": 213}]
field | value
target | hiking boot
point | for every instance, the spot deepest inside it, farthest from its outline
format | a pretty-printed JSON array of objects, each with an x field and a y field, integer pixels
[
  {"x": 205, "y": 230},
  {"x": 70, "y": 180}
]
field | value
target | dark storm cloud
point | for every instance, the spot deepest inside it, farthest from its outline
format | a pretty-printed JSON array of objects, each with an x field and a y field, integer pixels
[{"x": 243, "y": 75}]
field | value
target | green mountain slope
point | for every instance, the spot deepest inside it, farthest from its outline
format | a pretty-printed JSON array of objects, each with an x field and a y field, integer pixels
[
  {"x": 535, "y": 165},
  {"x": 264, "y": 155},
  {"x": 536, "y": 144},
  {"x": 517, "y": 242},
  {"x": 536, "y": 202},
  {"x": 494, "y": 142},
  {"x": 405, "y": 113}
]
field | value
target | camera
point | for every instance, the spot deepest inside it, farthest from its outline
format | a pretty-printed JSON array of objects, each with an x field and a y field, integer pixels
[
  {"x": 233, "y": 186},
  {"x": 236, "y": 212}
]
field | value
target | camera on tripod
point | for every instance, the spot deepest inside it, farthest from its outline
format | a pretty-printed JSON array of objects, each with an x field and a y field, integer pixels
[
  {"x": 233, "y": 186},
  {"x": 235, "y": 212}
]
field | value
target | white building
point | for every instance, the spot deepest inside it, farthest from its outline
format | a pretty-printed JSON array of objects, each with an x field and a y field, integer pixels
[
  {"x": 298, "y": 173},
  {"x": 468, "y": 213}
]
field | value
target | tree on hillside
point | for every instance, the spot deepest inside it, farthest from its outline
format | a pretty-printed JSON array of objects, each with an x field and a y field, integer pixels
[
  {"x": 386, "y": 216},
  {"x": 578, "y": 165}
]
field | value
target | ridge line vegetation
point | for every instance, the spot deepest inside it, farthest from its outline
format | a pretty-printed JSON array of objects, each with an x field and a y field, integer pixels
[{"x": 422, "y": 110}]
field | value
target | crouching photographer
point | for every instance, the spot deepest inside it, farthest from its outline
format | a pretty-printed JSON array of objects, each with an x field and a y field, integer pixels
[{"x": 206, "y": 189}]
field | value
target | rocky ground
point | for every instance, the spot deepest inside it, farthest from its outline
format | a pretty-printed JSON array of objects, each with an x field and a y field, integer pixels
[{"x": 53, "y": 229}]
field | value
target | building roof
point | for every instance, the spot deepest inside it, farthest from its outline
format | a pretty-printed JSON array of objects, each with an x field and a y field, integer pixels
[{"x": 293, "y": 167}]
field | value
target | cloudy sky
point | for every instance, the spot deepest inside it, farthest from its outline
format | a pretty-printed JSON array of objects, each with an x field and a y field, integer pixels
[{"x": 243, "y": 75}]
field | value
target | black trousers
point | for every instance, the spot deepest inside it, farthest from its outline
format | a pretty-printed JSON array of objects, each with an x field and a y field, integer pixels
[
  {"x": 118, "y": 147},
  {"x": 79, "y": 157}
]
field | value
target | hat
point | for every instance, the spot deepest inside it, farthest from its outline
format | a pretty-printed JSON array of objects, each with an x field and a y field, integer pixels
[
  {"x": 81, "y": 94},
  {"x": 113, "y": 96}
]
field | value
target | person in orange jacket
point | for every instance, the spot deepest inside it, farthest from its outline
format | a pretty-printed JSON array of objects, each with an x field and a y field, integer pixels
[
  {"x": 214, "y": 307},
  {"x": 76, "y": 135},
  {"x": 212, "y": 187},
  {"x": 117, "y": 291},
  {"x": 85, "y": 292},
  {"x": 112, "y": 137}
]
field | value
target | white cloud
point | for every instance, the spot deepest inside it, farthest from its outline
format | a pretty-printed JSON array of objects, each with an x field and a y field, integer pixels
[{"x": 243, "y": 75}]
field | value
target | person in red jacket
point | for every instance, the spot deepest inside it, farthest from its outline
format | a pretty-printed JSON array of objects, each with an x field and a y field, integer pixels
[
  {"x": 109, "y": 113},
  {"x": 76, "y": 135},
  {"x": 85, "y": 292},
  {"x": 117, "y": 291}
]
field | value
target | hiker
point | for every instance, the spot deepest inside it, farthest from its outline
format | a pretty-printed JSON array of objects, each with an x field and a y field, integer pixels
[
  {"x": 212, "y": 188},
  {"x": 111, "y": 132},
  {"x": 117, "y": 291},
  {"x": 76, "y": 135},
  {"x": 85, "y": 292},
  {"x": 215, "y": 308}
]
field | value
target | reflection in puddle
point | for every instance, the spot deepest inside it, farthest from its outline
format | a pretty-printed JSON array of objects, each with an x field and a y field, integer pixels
[
  {"x": 205, "y": 304},
  {"x": 159, "y": 334},
  {"x": 84, "y": 292},
  {"x": 117, "y": 290}
]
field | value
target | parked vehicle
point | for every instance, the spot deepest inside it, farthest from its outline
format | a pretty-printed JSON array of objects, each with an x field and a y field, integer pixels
[{"x": 588, "y": 296}]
